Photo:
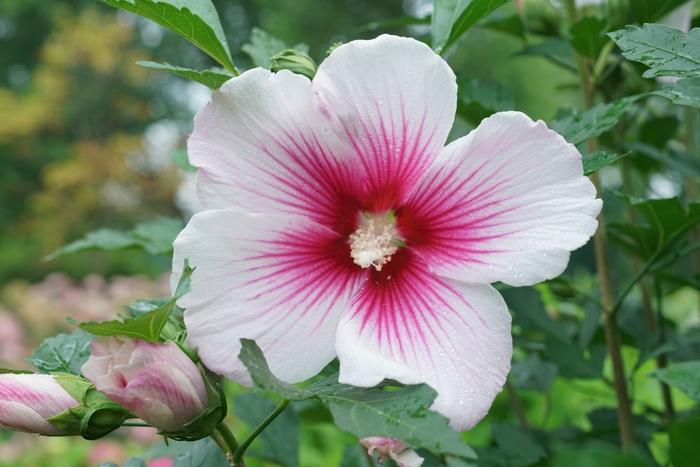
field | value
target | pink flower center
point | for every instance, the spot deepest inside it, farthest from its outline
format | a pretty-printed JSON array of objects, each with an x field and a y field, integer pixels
[{"x": 375, "y": 240}]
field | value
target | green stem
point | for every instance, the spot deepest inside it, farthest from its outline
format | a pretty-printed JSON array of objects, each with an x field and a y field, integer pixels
[
  {"x": 226, "y": 441},
  {"x": 602, "y": 260},
  {"x": 238, "y": 454}
]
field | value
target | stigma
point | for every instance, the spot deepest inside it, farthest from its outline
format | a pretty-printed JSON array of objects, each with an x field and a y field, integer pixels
[{"x": 375, "y": 240}]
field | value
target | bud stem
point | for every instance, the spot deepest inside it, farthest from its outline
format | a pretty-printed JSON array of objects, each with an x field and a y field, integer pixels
[
  {"x": 238, "y": 455},
  {"x": 227, "y": 442}
]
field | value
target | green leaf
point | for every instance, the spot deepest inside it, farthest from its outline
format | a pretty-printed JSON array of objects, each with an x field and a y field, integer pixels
[
  {"x": 354, "y": 455},
  {"x": 155, "y": 237},
  {"x": 63, "y": 353},
  {"x": 533, "y": 373},
  {"x": 514, "y": 447},
  {"x": 202, "y": 453},
  {"x": 197, "y": 22},
  {"x": 667, "y": 223},
  {"x": 599, "y": 159},
  {"x": 622, "y": 12},
  {"x": 280, "y": 440},
  {"x": 685, "y": 92},
  {"x": 685, "y": 376},
  {"x": 557, "y": 51},
  {"x": 402, "y": 413},
  {"x": 665, "y": 50},
  {"x": 588, "y": 35},
  {"x": 596, "y": 453},
  {"x": 581, "y": 126},
  {"x": 683, "y": 436},
  {"x": 147, "y": 326},
  {"x": 182, "y": 161},
  {"x": 479, "y": 99},
  {"x": 263, "y": 46},
  {"x": 212, "y": 78},
  {"x": 452, "y": 18}
]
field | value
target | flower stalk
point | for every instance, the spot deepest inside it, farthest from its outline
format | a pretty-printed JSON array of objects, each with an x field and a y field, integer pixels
[
  {"x": 600, "y": 242},
  {"x": 240, "y": 451}
]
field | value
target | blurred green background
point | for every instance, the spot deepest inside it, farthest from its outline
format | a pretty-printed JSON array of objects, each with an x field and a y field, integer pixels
[{"x": 90, "y": 140}]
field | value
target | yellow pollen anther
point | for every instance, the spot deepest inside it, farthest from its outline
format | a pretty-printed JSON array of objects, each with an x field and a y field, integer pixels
[{"x": 375, "y": 240}]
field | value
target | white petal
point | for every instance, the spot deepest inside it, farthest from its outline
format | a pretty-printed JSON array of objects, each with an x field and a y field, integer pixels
[
  {"x": 396, "y": 100},
  {"x": 263, "y": 146},
  {"x": 280, "y": 280},
  {"x": 508, "y": 202},
  {"x": 418, "y": 328}
]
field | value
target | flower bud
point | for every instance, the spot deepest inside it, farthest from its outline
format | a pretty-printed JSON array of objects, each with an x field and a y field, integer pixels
[
  {"x": 156, "y": 382},
  {"x": 294, "y": 61},
  {"x": 28, "y": 401},
  {"x": 392, "y": 448}
]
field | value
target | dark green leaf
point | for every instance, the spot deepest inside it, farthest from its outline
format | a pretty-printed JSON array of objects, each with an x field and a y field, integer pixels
[
  {"x": 685, "y": 376},
  {"x": 197, "y": 22},
  {"x": 665, "y": 50},
  {"x": 599, "y": 159},
  {"x": 63, "y": 353},
  {"x": 280, "y": 440},
  {"x": 684, "y": 435},
  {"x": 622, "y": 12},
  {"x": 588, "y": 36},
  {"x": 202, "y": 453},
  {"x": 452, "y": 18},
  {"x": 156, "y": 237},
  {"x": 479, "y": 99},
  {"x": 532, "y": 373},
  {"x": 354, "y": 456},
  {"x": 514, "y": 447},
  {"x": 147, "y": 326},
  {"x": 596, "y": 453},
  {"x": 581, "y": 126},
  {"x": 557, "y": 51},
  {"x": 212, "y": 78},
  {"x": 402, "y": 413},
  {"x": 685, "y": 92}
]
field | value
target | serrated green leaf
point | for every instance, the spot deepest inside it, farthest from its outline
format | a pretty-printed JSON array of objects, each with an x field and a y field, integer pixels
[
  {"x": 685, "y": 92},
  {"x": 155, "y": 237},
  {"x": 198, "y": 22},
  {"x": 685, "y": 376},
  {"x": 599, "y": 159},
  {"x": 665, "y": 50},
  {"x": 402, "y": 413},
  {"x": 147, "y": 326},
  {"x": 63, "y": 353},
  {"x": 212, "y": 78},
  {"x": 452, "y": 18},
  {"x": 588, "y": 35},
  {"x": 280, "y": 440},
  {"x": 578, "y": 127}
]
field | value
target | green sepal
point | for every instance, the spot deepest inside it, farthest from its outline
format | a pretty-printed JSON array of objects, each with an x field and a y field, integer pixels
[
  {"x": 205, "y": 423},
  {"x": 294, "y": 61},
  {"x": 94, "y": 416}
]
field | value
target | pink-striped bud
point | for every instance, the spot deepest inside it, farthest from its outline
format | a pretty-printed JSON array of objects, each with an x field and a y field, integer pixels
[
  {"x": 28, "y": 401},
  {"x": 394, "y": 449},
  {"x": 156, "y": 382}
]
